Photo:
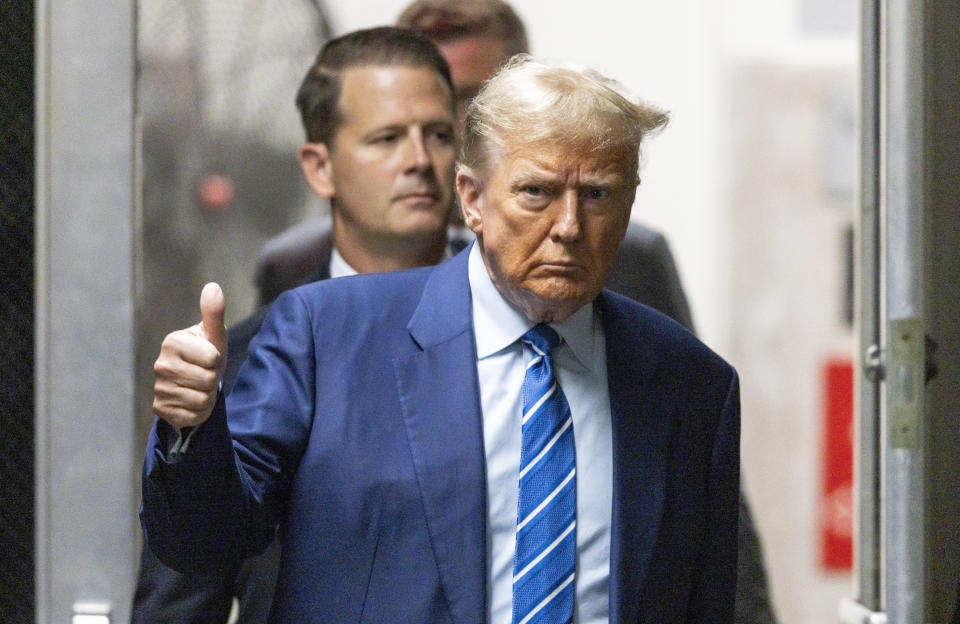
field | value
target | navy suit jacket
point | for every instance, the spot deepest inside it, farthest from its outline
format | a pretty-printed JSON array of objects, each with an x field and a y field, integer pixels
[{"x": 355, "y": 424}]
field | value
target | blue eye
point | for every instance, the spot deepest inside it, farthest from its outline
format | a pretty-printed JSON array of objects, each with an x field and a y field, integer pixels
[{"x": 597, "y": 194}]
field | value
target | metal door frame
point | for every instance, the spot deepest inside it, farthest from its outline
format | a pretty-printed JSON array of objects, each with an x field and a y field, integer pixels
[
  {"x": 86, "y": 528},
  {"x": 890, "y": 518}
]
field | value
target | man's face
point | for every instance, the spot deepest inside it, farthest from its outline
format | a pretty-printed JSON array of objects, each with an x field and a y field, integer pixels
[
  {"x": 391, "y": 162},
  {"x": 472, "y": 61},
  {"x": 549, "y": 219}
]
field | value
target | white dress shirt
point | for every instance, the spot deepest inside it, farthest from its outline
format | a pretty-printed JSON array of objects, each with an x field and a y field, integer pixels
[
  {"x": 580, "y": 363},
  {"x": 339, "y": 266}
]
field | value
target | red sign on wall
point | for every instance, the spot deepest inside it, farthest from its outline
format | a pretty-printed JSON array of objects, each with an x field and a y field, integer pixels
[{"x": 836, "y": 491}]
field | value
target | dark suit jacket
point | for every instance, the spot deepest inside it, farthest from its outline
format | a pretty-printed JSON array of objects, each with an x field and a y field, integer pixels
[
  {"x": 356, "y": 424},
  {"x": 644, "y": 271},
  {"x": 291, "y": 258}
]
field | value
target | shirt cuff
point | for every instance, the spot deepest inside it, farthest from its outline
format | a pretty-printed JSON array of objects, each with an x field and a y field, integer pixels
[
  {"x": 181, "y": 443},
  {"x": 184, "y": 435}
]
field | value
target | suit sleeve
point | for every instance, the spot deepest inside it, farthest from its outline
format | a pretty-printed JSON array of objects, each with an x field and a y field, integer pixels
[
  {"x": 165, "y": 595},
  {"x": 715, "y": 588},
  {"x": 221, "y": 501}
]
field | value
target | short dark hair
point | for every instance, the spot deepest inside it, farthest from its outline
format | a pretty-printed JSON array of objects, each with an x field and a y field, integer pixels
[
  {"x": 319, "y": 94},
  {"x": 448, "y": 20}
]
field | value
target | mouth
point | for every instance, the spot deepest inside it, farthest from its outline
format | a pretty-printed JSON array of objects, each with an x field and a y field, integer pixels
[
  {"x": 419, "y": 197},
  {"x": 562, "y": 266}
]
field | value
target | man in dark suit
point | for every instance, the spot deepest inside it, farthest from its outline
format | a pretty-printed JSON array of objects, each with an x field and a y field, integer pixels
[
  {"x": 492, "y": 439},
  {"x": 377, "y": 109}
]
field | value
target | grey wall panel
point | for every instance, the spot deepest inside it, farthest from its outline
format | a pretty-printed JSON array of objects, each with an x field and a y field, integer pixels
[{"x": 86, "y": 522}]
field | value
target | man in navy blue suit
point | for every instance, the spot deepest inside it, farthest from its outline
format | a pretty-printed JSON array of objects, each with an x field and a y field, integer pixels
[{"x": 381, "y": 420}]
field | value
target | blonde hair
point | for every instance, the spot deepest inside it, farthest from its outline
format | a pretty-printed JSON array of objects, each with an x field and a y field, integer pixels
[{"x": 534, "y": 102}]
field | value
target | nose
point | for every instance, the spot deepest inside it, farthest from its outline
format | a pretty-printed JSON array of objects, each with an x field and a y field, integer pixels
[
  {"x": 566, "y": 226},
  {"x": 418, "y": 157}
]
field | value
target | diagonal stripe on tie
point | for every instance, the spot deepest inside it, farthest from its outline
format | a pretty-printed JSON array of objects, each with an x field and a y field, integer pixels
[
  {"x": 546, "y": 448},
  {"x": 544, "y": 570},
  {"x": 549, "y": 499},
  {"x": 546, "y": 601},
  {"x": 536, "y": 406}
]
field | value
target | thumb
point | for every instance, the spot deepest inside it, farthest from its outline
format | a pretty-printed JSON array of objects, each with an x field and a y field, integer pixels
[{"x": 212, "y": 305}]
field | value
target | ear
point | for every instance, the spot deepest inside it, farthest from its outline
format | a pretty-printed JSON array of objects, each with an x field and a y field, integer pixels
[
  {"x": 469, "y": 192},
  {"x": 317, "y": 169}
]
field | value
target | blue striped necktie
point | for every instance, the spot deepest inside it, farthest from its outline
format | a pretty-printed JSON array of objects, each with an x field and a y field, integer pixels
[{"x": 543, "y": 571}]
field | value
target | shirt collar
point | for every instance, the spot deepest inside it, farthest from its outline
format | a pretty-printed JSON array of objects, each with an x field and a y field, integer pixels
[
  {"x": 497, "y": 324},
  {"x": 341, "y": 268}
]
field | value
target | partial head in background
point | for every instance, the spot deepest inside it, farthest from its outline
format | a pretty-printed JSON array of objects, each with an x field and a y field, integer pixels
[
  {"x": 475, "y": 37},
  {"x": 377, "y": 107},
  {"x": 547, "y": 175}
]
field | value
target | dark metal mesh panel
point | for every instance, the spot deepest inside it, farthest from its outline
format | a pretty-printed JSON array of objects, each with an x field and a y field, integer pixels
[{"x": 16, "y": 313}]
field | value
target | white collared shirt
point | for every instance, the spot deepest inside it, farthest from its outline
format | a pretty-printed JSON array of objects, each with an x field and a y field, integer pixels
[
  {"x": 339, "y": 266},
  {"x": 581, "y": 365}
]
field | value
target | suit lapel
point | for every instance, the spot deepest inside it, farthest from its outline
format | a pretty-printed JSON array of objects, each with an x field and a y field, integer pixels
[
  {"x": 641, "y": 435},
  {"x": 440, "y": 403}
]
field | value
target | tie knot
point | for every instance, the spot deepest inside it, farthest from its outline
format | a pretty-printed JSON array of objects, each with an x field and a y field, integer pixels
[{"x": 542, "y": 337}]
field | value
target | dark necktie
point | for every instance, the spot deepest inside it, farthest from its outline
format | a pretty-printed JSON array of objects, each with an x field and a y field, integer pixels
[{"x": 543, "y": 572}]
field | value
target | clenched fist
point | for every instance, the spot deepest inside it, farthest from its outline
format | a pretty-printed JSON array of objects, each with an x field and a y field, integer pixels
[{"x": 188, "y": 371}]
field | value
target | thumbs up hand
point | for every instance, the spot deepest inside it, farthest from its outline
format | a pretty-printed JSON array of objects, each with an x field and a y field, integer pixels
[{"x": 188, "y": 370}]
